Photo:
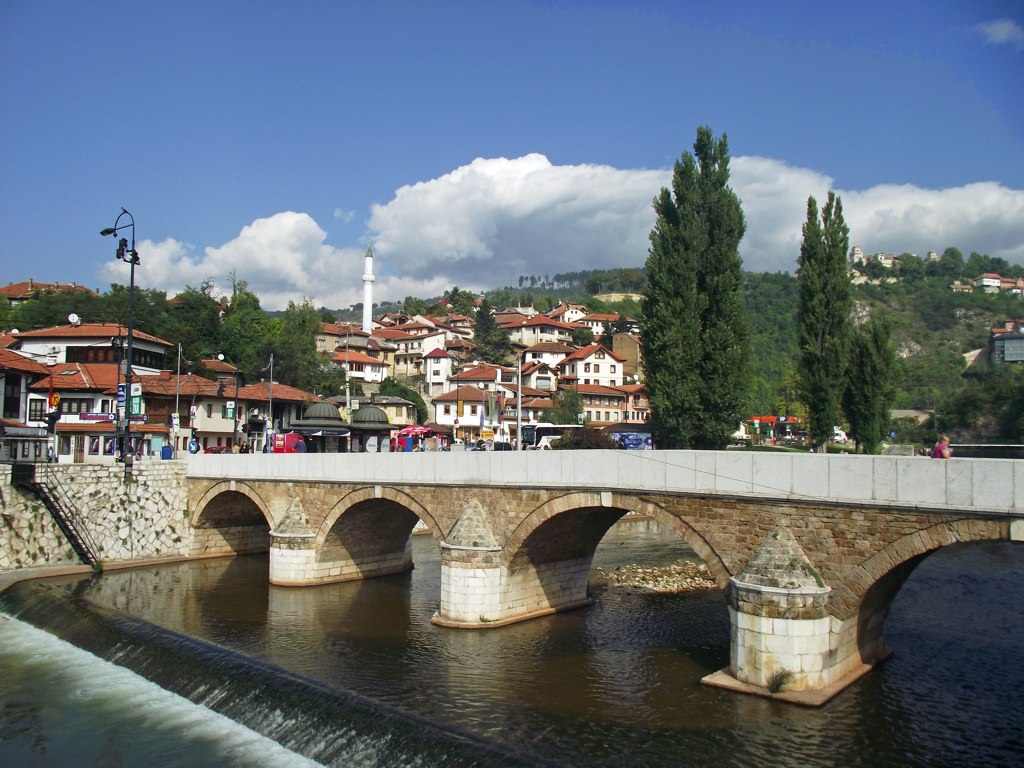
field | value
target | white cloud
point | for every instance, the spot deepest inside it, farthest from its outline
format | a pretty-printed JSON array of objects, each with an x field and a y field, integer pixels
[
  {"x": 1003, "y": 32},
  {"x": 485, "y": 224}
]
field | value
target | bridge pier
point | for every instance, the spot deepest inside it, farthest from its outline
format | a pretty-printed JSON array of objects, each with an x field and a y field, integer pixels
[{"x": 784, "y": 640}]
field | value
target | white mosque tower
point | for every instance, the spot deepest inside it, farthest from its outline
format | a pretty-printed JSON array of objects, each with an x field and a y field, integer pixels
[{"x": 368, "y": 291}]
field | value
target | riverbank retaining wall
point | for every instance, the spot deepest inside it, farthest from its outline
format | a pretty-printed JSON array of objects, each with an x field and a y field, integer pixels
[{"x": 137, "y": 518}]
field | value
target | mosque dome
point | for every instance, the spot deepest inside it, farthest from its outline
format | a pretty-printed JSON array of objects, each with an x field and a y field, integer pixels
[{"x": 369, "y": 415}]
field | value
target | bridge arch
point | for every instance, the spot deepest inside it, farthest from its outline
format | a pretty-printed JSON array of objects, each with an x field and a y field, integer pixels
[
  {"x": 377, "y": 496},
  {"x": 230, "y": 518},
  {"x": 899, "y": 558},
  {"x": 623, "y": 504}
]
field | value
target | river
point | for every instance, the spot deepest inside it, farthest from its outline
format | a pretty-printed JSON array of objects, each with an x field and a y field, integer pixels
[{"x": 204, "y": 663}]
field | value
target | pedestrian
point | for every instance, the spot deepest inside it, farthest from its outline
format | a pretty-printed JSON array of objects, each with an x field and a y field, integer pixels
[
  {"x": 50, "y": 456},
  {"x": 942, "y": 449}
]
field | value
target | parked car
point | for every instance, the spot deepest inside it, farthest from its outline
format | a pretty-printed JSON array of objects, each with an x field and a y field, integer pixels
[{"x": 218, "y": 449}]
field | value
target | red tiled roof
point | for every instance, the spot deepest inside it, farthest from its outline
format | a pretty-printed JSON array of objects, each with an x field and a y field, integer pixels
[
  {"x": 540, "y": 320},
  {"x": 467, "y": 393},
  {"x": 218, "y": 366},
  {"x": 585, "y": 352},
  {"x": 89, "y": 331},
  {"x": 357, "y": 357},
  {"x": 12, "y": 361},
  {"x": 26, "y": 288}
]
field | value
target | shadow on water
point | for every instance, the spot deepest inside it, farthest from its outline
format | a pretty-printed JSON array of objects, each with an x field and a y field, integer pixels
[
  {"x": 355, "y": 674},
  {"x": 304, "y": 715}
]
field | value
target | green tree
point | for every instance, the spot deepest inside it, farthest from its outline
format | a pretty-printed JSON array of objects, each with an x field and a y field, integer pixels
[
  {"x": 395, "y": 388},
  {"x": 870, "y": 383},
  {"x": 298, "y": 363},
  {"x": 566, "y": 408},
  {"x": 824, "y": 314},
  {"x": 587, "y": 438},
  {"x": 492, "y": 341},
  {"x": 461, "y": 302},
  {"x": 582, "y": 337},
  {"x": 693, "y": 321},
  {"x": 245, "y": 332}
]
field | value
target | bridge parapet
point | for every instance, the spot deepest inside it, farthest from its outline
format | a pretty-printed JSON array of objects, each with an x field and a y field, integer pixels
[{"x": 969, "y": 485}]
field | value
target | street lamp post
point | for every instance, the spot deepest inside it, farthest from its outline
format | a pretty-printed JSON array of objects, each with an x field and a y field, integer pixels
[{"x": 131, "y": 256}]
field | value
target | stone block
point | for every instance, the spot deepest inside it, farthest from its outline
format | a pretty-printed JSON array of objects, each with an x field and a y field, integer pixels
[
  {"x": 922, "y": 482},
  {"x": 993, "y": 483},
  {"x": 734, "y": 471},
  {"x": 772, "y": 474}
]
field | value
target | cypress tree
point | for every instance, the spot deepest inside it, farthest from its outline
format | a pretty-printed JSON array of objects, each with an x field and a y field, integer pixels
[
  {"x": 870, "y": 383},
  {"x": 824, "y": 315},
  {"x": 692, "y": 319}
]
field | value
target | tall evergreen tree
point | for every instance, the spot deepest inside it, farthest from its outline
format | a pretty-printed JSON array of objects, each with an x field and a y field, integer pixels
[
  {"x": 692, "y": 320},
  {"x": 824, "y": 315},
  {"x": 870, "y": 383},
  {"x": 492, "y": 341}
]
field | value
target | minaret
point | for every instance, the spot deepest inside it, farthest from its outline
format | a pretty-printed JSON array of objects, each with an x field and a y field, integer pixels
[{"x": 368, "y": 291}]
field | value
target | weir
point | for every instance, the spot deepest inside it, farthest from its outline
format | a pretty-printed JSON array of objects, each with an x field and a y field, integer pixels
[{"x": 330, "y": 726}]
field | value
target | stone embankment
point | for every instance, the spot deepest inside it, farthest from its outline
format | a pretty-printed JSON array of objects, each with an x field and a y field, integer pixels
[{"x": 684, "y": 576}]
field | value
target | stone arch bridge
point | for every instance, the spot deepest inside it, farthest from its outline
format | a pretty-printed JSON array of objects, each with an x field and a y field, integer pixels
[{"x": 809, "y": 549}]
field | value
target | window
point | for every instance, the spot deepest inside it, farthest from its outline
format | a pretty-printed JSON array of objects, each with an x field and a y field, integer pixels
[
  {"x": 73, "y": 405},
  {"x": 12, "y": 396},
  {"x": 35, "y": 410},
  {"x": 613, "y": 369},
  {"x": 472, "y": 410},
  {"x": 447, "y": 409},
  {"x": 597, "y": 368},
  {"x": 209, "y": 410}
]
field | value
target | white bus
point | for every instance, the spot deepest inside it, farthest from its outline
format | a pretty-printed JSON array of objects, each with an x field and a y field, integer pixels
[{"x": 536, "y": 437}]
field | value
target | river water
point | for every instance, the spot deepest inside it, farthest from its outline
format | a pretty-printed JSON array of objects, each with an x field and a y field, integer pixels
[{"x": 204, "y": 663}]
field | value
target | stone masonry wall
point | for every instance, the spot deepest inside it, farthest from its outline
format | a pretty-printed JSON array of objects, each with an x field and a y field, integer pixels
[{"x": 144, "y": 516}]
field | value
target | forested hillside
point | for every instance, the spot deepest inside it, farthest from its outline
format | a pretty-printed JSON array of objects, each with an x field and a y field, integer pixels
[{"x": 935, "y": 331}]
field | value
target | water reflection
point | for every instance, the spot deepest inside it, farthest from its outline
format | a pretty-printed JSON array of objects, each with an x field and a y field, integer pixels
[{"x": 618, "y": 683}]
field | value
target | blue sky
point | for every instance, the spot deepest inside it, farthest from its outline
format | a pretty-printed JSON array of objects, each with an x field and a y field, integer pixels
[{"x": 474, "y": 142}]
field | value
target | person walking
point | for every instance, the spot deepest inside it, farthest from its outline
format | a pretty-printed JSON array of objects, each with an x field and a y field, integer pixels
[{"x": 942, "y": 449}]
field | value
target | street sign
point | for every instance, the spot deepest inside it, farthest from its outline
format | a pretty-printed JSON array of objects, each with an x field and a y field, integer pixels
[
  {"x": 54, "y": 399},
  {"x": 136, "y": 389},
  {"x": 121, "y": 395},
  {"x": 175, "y": 422},
  {"x": 230, "y": 408}
]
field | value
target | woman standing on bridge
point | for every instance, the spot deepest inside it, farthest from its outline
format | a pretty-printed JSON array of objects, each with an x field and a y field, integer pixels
[{"x": 942, "y": 449}]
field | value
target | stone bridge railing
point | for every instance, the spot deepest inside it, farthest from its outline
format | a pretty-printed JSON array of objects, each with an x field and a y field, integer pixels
[{"x": 966, "y": 485}]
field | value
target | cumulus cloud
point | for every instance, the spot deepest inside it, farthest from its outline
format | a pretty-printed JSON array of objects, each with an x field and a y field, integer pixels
[
  {"x": 283, "y": 258},
  {"x": 486, "y": 223},
  {"x": 483, "y": 225},
  {"x": 1002, "y": 32}
]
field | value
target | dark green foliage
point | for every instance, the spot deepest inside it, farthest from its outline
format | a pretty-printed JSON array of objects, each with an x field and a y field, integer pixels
[
  {"x": 693, "y": 321},
  {"x": 824, "y": 316},
  {"x": 396, "y": 388},
  {"x": 492, "y": 341},
  {"x": 244, "y": 332},
  {"x": 587, "y": 438},
  {"x": 460, "y": 302},
  {"x": 870, "y": 383},
  {"x": 298, "y": 363},
  {"x": 772, "y": 301},
  {"x": 566, "y": 408},
  {"x": 583, "y": 337}
]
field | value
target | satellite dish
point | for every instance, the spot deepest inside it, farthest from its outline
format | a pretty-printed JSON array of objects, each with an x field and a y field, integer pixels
[{"x": 74, "y": 319}]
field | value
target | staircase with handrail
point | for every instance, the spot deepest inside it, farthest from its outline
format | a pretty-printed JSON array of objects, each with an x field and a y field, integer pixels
[{"x": 42, "y": 480}]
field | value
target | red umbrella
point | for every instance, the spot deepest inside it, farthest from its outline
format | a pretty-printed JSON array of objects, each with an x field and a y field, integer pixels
[{"x": 415, "y": 430}]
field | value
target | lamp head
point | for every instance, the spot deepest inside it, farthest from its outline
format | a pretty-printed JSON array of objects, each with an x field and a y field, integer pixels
[{"x": 108, "y": 231}]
